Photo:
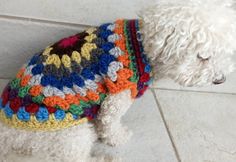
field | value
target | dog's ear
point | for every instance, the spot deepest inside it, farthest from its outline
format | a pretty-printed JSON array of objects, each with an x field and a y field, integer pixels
[
  {"x": 166, "y": 34},
  {"x": 175, "y": 29}
]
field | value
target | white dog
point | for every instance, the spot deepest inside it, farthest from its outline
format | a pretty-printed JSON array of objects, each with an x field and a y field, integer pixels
[{"x": 190, "y": 41}]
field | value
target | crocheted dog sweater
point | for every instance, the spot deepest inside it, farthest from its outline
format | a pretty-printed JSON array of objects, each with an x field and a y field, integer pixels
[{"x": 64, "y": 85}]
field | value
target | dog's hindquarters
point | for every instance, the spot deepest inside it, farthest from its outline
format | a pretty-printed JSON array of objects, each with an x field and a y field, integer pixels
[{"x": 72, "y": 144}]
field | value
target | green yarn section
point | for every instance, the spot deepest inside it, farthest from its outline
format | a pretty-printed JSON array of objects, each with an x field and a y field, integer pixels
[
  {"x": 101, "y": 98},
  {"x": 84, "y": 104},
  {"x": 15, "y": 83},
  {"x": 76, "y": 109},
  {"x": 58, "y": 107},
  {"x": 79, "y": 109},
  {"x": 38, "y": 99},
  {"x": 132, "y": 65},
  {"x": 23, "y": 91}
]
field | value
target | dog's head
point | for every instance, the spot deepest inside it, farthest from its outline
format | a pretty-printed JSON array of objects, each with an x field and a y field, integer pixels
[{"x": 190, "y": 42}]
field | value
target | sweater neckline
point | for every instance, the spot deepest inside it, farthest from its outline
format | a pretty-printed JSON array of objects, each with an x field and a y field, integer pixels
[{"x": 139, "y": 61}]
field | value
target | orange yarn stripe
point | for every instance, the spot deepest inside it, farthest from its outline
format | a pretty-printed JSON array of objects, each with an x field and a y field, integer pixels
[
  {"x": 101, "y": 88},
  {"x": 71, "y": 99},
  {"x": 92, "y": 96},
  {"x": 36, "y": 90},
  {"x": 20, "y": 73},
  {"x": 124, "y": 74},
  {"x": 24, "y": 80},
  {"x": 54, "y": 101},
  {"x": 122, "y": 83}
]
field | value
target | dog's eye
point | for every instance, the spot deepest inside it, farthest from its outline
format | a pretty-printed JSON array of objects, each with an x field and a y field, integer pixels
[{"x": 203, "y": 58}]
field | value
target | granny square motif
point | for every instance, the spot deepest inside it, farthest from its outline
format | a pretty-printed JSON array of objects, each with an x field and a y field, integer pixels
[{"x": 64, "y": 85}]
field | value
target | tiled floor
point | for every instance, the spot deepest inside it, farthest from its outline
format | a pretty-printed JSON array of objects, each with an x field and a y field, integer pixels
[
  {"x": 202, "y": 125},
  {"x": 179, "y": 125},
  {"x": 170, "y": 123}
]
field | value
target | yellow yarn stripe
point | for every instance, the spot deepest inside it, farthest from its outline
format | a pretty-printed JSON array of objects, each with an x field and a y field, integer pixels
[
  {"x": 90, "y": 30},
  {"x": 90, "y": 37},
  {"x": 54, "y": 59},
  {"x": 86, "y": 49},
  {"x": 76, "y": 57},
  {"x": 50, "y": 125},
  {"x": 47, "y": 50},
  {"x": 66, "y": 61}
]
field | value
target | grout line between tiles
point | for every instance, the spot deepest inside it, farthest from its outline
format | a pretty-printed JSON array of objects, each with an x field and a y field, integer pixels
[
  {"x": 5, "y": 78},
  {"x": 185, "y": 90},
  {"x": 167, "y": 128},
  {"x": 34, "y": 20}
]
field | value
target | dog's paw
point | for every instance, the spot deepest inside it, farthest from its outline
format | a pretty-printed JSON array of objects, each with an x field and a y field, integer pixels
[{"x": 119, "y": 137}]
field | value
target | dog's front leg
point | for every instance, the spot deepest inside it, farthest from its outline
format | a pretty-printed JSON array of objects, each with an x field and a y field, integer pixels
[{"x": 108, "y": 123}]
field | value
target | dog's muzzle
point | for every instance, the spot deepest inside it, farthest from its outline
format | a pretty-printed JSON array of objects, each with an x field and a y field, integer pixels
[{"x": 220, "y": 81}]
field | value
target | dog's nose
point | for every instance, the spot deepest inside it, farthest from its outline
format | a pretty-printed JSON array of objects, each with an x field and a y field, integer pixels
[{"x": 220, "y": 81}]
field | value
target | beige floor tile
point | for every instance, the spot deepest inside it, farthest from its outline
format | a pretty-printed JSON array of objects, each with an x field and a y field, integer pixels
[
  {"x": 202, "y": 125},
  {"x": 90, "y": 12}
]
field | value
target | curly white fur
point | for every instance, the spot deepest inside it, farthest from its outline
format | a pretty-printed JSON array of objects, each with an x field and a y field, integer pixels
[
  {"x": 59, "y": 146},
  {"x": 109, "y": 127},
  {"x": 190, "y": 41}
]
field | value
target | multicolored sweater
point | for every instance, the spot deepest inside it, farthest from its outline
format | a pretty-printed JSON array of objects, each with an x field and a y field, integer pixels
[{"x": 65, "y": 84}]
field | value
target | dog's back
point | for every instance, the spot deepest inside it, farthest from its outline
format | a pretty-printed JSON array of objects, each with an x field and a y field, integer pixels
[{"x": 65, "y": 84}]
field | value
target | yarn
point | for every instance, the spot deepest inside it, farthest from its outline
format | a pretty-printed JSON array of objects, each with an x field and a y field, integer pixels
[
  {"x": 24, "y": 80},
  {"x": 66, "y": 61},
  {"x": 20, "y": 73},
  {"x": 27, "y": 100},
  {"x": 23, "y": 91},
  {"x": 15, "y": 104},
  {"x": 38, "y": 69},
  {"x": 87, "y": 74},
  {"x": 23, "y": 115},
  {"x": 90, "y": 37},
  {"x": 5, "y": 96},
  {"x": 60, "y": 114},
  {"x": 13, "y": 94},
  {"x": 65, "y": 84},
  {"x": 1, "y": 104},
  {"x": 15, "y": 83},
  {"x": 42, "y": 114},
  {"x": 35, "y": 80},
  {"x": 38, "y": 99},
  {"x": 32, "y": 108},
  {"x": 90, "y": 84},
  {"x": 70, "y": 41},
  {"x": 86, "y": 49},
  {"x": 76, "y": 56},
  {"x": 51, "y": 110},
  {"x": 8, "y": 111},
  {"x": 35, "y": 90}
]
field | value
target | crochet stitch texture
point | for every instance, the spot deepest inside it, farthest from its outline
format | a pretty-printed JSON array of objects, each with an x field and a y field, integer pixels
[{"x": 65, "y": 84}]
